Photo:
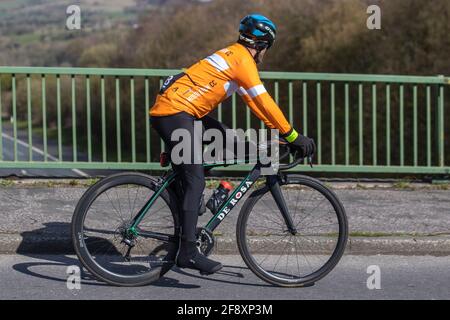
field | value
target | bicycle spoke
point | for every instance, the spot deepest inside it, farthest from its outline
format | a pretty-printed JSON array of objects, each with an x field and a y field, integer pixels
[
  {"x": 303, "y": 253},
  {"x": 277, "y": 213},
  {"x": 296, "y": 256},
  {"x": 117, "y": 197},
  {"x": 322, "y": 225},
  {"x": 118, "y": 214},
  {"x": 154, "y": 215},
  {"x": 280, "y": 223},
  {"x": 101, "y": 247},
  {"x": 106, "y": 227},
  {"x": 266, "y": 227},
  {"x": 296, "y": 205},
  {"x": 134, "y": 202},
  {"x": 165, "y": 218},
  {"x": 138, "y": 244},
  {"x": 265, "y": 246},
  {"x": 309, "y": 199},
  {"x": 285, "y": 246},
  {"x": 129, "y": 201},
  {"x": 311, "y": 211},
  {"x": 309, "y": 223},
  {"x": 289, "y": 258}
]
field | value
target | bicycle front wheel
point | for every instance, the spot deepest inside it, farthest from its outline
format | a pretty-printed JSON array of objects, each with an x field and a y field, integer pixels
[
  {"x": 103, "y": 216},
  {"x": 288, "y": 259}
]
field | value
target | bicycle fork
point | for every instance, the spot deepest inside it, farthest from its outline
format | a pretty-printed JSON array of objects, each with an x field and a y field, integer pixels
[{"x": 275, "y": 190}]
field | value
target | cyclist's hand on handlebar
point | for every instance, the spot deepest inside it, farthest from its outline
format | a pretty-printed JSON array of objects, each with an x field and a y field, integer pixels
[{"x": 304, "y": 145}]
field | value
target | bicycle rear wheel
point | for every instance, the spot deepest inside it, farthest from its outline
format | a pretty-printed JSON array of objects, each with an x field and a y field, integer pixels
[
  {"x": 103, "y": 215},
  {"x": 280, "y": 257}
]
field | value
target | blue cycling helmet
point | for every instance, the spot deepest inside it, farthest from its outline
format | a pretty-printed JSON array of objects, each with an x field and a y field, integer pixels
[{"x": 257, "y": 32}]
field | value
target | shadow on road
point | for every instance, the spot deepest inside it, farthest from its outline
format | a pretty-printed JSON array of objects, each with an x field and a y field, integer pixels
[
  {"x": 55, "y": 237},
  {"x": 86, "y": 277},
  {"x": 233, "y": 277}
]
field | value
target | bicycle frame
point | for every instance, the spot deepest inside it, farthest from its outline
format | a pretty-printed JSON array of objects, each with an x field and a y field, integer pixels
[{"x": 237, "y": 194}]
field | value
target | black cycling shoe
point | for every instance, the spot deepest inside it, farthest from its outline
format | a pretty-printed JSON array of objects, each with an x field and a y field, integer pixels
[{"x": 189, "y": 257}]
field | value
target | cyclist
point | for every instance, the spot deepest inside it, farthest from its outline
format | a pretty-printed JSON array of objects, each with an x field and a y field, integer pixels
[{"x": 192, "y": 94}]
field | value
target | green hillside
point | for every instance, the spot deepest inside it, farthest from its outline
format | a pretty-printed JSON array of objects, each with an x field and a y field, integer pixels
[{"x": 30, "y": 28}]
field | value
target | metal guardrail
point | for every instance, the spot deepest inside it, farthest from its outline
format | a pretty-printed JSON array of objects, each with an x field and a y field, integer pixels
[{"x": 91, "y": 118}]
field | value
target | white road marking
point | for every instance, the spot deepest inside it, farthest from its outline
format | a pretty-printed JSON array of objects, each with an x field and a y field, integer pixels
[{"x": 41, "y": 152}]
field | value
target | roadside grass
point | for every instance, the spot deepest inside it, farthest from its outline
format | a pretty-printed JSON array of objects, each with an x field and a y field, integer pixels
[
  {"x": 367, "y": 234},
  {"x": 442, "y": 186},
  {"x": 399, "y": 185},
  {"x": 403, "y": 185},
  {"x": 45, "y": 183},
  {"x": 6, "y": 183}
]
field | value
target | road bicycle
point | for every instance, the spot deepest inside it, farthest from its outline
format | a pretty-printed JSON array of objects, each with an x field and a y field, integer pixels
[{"x": 291, "y": 231}]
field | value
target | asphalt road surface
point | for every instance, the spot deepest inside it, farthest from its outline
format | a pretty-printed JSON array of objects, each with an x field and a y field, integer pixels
[
  {"x": 401, "y": 277},
  {"x": 37, "y": 147}
]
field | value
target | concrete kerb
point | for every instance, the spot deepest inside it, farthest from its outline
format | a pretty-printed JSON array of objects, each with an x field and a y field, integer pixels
[{"x": 62, "y": 244}]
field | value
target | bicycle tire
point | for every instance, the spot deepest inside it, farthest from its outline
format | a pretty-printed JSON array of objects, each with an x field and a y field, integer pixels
[
  {"x": 331, "y": 262},
  {"x": 78, "y": 221}
]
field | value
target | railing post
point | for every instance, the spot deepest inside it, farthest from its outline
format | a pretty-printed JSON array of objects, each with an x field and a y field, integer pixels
[
  {"x": 44, "y": 117},
  {"x": 74, "y": 121},
  {"x": 14, "y": 112},
  {"x": 305, "y": 110},
  {"x": 1, "y": 122},
  {"x": 374, "y": 125},
  {"x": 440, "y": 122},
  {"x": 347, "y": 125},
  {"x": 428, "y": 126},
  {"x": 30, "y": 131},
  {"x": 415, "y": 134},
  {"x": 103, "y": 116},
  {"x": 88, "y": 116},
  {"x": 333, "y": 120},
  {"x": 58, "y": 111},
  {"x": 133, "y": 122},
  {"x": 118, "y": 122},
  {"x": 401, "y": 127},
  {"x": 147, "y": 121},
  {"x": 360, "y": 124},
  {"x": 319, "y": 123},
  {"x": 388, "y": 125}
]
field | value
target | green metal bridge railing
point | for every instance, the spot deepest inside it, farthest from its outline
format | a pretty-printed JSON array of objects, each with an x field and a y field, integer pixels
[{"x": 90, "y": 118}]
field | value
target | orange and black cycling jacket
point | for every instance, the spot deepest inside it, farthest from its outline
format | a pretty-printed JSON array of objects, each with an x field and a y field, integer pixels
[{"x": 212, "y": 80}]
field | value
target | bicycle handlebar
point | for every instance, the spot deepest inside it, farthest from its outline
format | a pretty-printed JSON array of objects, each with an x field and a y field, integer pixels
[{"x": 296, "y": 161}]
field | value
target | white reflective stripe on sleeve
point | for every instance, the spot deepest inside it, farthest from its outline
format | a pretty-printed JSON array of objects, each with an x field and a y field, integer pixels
[
  {"x": 230, "y": 88},
  {"x": 218, "y": 62},
  {"x": 256, "y": 90},
  {"x": 242, "y": 91}
]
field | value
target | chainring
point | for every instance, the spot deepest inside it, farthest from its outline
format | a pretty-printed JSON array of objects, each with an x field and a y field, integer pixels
[{"x": 205, "y": 241}]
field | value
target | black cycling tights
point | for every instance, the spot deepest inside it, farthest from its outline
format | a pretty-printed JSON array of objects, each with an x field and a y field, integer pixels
[{"x": 192, "y": 175}]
